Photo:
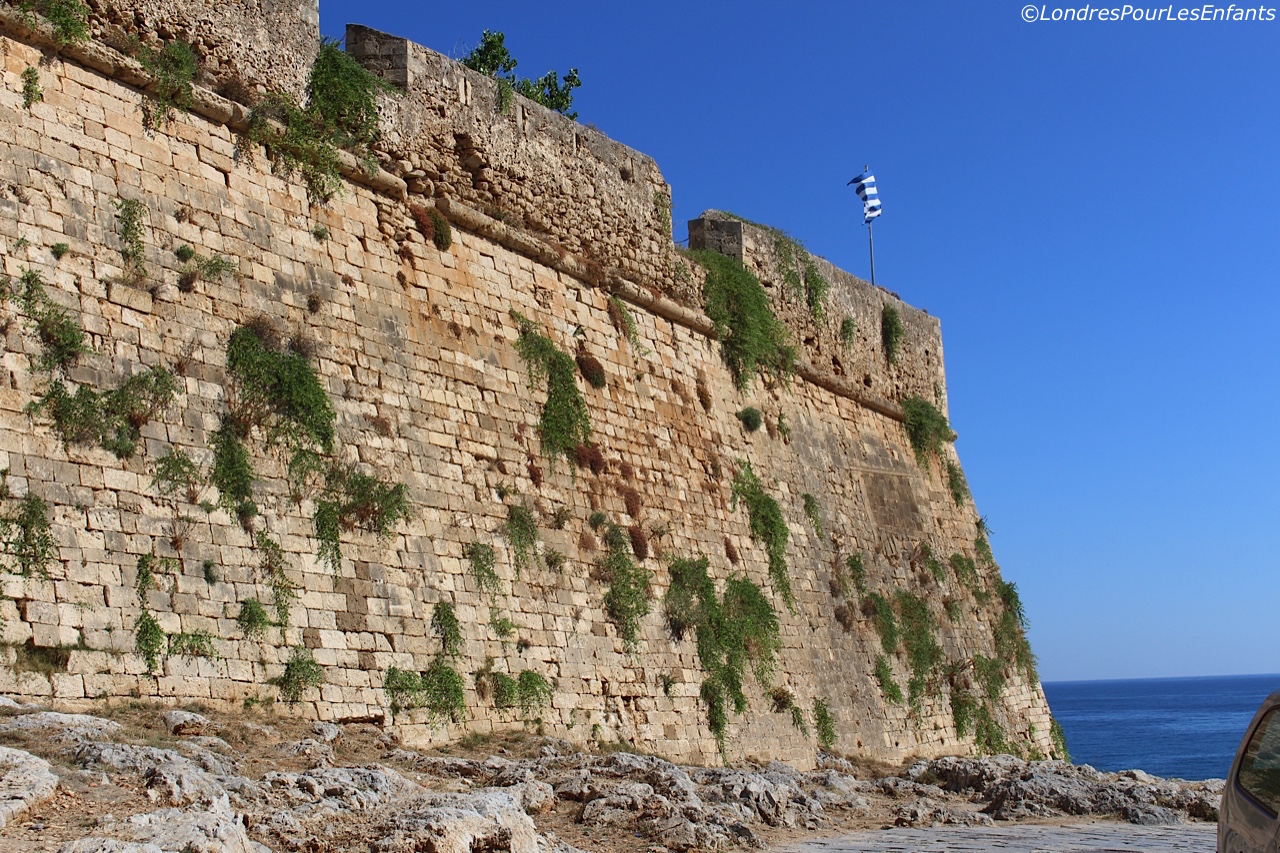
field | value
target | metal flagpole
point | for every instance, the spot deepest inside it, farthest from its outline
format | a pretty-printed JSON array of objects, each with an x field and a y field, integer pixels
[{"x": 872, "y": 244}]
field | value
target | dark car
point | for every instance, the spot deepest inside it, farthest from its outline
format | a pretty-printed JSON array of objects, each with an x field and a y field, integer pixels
[{"x": 1251, "y": 798}]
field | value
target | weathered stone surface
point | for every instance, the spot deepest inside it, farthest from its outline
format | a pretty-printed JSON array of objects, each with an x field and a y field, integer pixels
[
  {"x": 1014, "y": 788},
  {"x": 25, "y": 780},
  {"x": 184, "y": 722},
  {"x": 415, "y": 349}
]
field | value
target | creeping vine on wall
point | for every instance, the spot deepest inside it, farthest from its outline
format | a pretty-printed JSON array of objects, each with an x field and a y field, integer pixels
[
  {"x": 565, "y": 423},
  {"x": 733, "y": 632},
  {"x": 752, "y": 340},
  {"x": 767, "y": 525}
]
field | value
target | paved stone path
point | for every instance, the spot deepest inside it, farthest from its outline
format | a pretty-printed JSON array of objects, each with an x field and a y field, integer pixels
[{"x": 1081, "y": 838}]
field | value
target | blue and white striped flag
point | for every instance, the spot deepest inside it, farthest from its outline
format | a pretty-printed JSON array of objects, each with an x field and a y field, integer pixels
[{"x": 865, "y": 186}]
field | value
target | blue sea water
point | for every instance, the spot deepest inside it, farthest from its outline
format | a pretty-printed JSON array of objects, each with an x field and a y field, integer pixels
[{"x": 1186, "y": 728}]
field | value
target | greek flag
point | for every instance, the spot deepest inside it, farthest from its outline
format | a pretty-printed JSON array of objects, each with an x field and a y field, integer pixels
[{"x": 865, "y": 186}]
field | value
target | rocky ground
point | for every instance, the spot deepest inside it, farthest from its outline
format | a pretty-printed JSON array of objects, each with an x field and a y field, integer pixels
[{"x": 139, "y": 778}]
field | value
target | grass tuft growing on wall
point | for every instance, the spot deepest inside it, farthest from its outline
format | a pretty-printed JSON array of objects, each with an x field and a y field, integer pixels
[
  {"x": 752, "y": 340},
  {"x": 482, "y": 559},
  {"x": 927, "y": 428},
  {"x": 957, "y": 485},
  {"x": 891, "y": 332},
  {"x": 824, "y": 724},
  {"x": 172, "y": 68},
  {"x": 884, "y": 677}
]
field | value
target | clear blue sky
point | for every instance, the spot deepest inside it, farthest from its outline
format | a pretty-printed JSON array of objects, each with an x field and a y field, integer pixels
[{"x": 1091, "y": 208}]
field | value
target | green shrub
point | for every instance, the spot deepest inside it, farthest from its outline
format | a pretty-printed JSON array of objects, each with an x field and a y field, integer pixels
[
  {"x": 927, "y": 428},
  {"x": 232, "y": 473},
  {"x": 565, "y": 423},
  {"x": 274, "y": 567},
  {"x": 213, "y": 268},
  {"x": 888, "y": 687},
  {"x": 439, "y": 689},
  {"x": 884, "y": 620},
  {"x": 932, "y": 563},
  {"x": 354, "y": 500},
  {"x": 623, "y": 321},
  {"x": 501, "y": 625},
  {"x": 253, "y": 619},
  {"x": 982, "y": 546},
  {"x": 532, "y": 691},
  {"x": 858, "y": 572},
  {"x": 923, "y": 652},
  {"x": 824, "y": 724},
  {"x": 176, "y": 474},
  {"x": 626, "y": 602},
  {"x": 813, "y": 513},
  {"x": 144, "y": 577},
  {"x": 751, "y": 418},
  {"x": 129, "y": 213},
  {"x": 965, "y": 569},
  {"x": 59, "y": 251},
  {"x": 184, "y": 253},
  {"x": 482, "y": 559},
  {"x": 956, "y": 483},
  {"x": 816, "y": 288},
  {"x": 26, "y": 536},
  {"x": 752, "y": 340},
  {"x": 990, "y": 735},
  {"x": 441, "y": 232},
  {"x": 172, "y": 69},
  {"x": 784, "y": 701},
  {"x": 505, "y": 690},
  {"x": 1010, "y": 632},
  {"x": 149, "y": 640},
  {"x": 300, "y": 673},
  {"x": 278, "y": 390},
  {"x": 69, "y": 18},
  {"x": 767, "y": 526},
  {"x": 111, "y": 419},
  {"x": 31, "y": 88},
  {"x": 62, "y": 341},
  {"x": 302, "y": 147},
  {"x": 732, "y": 633},
  {"x": 522, "y": 533},
  {"x": 341, "y": 111},
  {"x": 445, "y": 623},
  {"x": 891, "y": 332},
  {"x": 1059, "y": 739},
  {"x": 848, "y": 332},
  {"x": 963, "y": 708},
  {"x": 192, "y": 644},
  {"x": 990, "y": 674},
  {"x": 342, "y": 96}
]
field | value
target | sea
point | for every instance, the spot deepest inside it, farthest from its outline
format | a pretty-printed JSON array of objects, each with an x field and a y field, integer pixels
[{"x": 1184, "y": 728}]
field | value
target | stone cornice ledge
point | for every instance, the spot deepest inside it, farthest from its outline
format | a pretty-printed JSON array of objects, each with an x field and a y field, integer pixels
[
  {"x": 531, "y": 247},
  {"x": 204, "y": 103}
]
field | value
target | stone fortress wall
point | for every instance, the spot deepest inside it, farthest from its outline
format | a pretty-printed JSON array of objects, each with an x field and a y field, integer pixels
[{"x": 416, "y": 348}]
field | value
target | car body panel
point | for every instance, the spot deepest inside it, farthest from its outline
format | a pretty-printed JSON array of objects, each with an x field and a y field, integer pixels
[{"x": 1248, "y": 820}]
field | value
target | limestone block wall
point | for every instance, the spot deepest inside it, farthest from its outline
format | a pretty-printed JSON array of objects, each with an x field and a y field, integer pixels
[
  {"x": 449, "y": 135},
  {"x": 415, "y": 347}
]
